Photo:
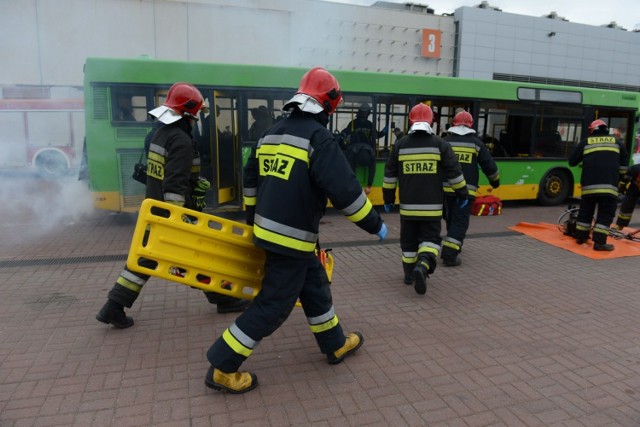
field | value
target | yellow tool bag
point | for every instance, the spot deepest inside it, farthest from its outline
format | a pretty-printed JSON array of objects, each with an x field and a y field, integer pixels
[{"x": 200, "y": 250}]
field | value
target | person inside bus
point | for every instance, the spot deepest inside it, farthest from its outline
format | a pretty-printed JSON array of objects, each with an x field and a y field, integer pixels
[
  {"x": 263, "y": 120},
  {"x": 604, "y": 161},
  {"x": 124, "y": 109},
  {"x": 173, "y": 176},
  {"x": 471, "y": 153},
  {"x": 360, "y": 138}
]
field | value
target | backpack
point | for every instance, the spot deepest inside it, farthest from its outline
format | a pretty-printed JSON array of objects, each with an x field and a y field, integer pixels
[{"x": 486, "y": 205}]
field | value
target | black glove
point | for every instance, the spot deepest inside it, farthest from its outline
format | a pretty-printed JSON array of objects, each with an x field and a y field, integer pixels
[
  {"x": 198, "y": 193},
  {"x": 495, "y": 184},
  {"x": 250, "y": 212},
  {"x": 623, "y": 185}
]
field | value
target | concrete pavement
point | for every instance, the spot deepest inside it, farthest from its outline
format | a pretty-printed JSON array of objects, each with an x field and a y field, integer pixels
[{"x": 522, "y": 334}]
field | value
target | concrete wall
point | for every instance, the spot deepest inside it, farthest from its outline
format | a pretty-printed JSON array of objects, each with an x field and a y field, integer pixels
[
  {"x": 47, "y": 41},
  {"x": 499, "y": 42}
]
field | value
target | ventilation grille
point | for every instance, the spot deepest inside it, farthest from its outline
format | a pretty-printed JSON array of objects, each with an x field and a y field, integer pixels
[
  {"x": 128, "y": 134},
  {"x": 100, "y": 104}
]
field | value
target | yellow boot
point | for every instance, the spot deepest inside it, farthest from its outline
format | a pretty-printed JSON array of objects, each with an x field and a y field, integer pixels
[
  {"x": 235, "y": 382},
  {"x": 352, "y": 344}
]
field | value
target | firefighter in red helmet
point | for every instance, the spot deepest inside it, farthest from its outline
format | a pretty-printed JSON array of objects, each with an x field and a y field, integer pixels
[
  {"x": 173, "y": 176},
  {"x": 471, "y": 153},
  {"x": 291, "y": 173},
  {"x": 419, "y": 163},
  {"x": 604, "y": 161}
]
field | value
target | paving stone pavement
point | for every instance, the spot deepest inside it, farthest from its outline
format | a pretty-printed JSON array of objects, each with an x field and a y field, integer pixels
[{"x": 521, "y": 334}]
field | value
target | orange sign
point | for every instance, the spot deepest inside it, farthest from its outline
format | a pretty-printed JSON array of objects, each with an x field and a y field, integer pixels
[{"x": 431, "y": 43}]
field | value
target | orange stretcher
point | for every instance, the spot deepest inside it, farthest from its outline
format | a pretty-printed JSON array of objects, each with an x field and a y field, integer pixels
[{"x": 200, "y": 250}]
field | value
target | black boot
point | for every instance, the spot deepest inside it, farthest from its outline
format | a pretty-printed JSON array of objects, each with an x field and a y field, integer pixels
[
  {"x": 603, "y": 247},
  {"x": 420, "y": 274},
  {"x": 452, "y": 262},
  {"x": 113, "y": 313}
]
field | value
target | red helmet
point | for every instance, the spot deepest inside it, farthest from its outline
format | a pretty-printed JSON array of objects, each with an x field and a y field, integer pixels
[
  {"x": 421, "y": 113},
  {"x": 596, "y": 124},
  {"x": 463, "y": 118},
  {"x": 320, "y": 84},
  {"x": 185, "y": 98}
]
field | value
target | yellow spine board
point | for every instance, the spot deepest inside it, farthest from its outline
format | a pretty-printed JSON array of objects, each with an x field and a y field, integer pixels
[{"x": 199, "y": 250}]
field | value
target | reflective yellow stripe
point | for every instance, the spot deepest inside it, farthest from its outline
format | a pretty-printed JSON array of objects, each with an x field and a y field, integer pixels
[
  {"x": 128, "y": 284},
  {"x": 156, "y": 157},
  {"x": 599, "y": 191},
  {"x": 420, "y": 213},
  {"x": 451, "y": 245},
  {"x": 332, "y": 323},
  {"x": 249, "y": 201},
  {"x": 281, "y": 240},
  {"x": 409, "y": 260},
  {"x": 429, "y": 249},
  {"x": 235, "y": 344},
  {"x": 362, "y": 212},
  {"x": 295, "y": 152}
]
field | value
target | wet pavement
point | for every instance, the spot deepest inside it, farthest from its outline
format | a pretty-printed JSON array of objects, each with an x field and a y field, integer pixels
[{"x": 521, "y": 334}]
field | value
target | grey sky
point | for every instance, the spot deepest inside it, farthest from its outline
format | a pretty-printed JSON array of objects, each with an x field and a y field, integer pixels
[{"x": 625, "y": 13}]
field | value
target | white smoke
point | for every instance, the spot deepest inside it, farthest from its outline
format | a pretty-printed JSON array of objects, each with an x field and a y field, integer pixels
[{"x": 38, "y": 207}]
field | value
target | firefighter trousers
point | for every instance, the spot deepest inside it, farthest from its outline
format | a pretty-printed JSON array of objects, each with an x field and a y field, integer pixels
[
  {"x": 606, "y": 211},
  {"x": 420, "y": 242},
  {"x": 286, "y": 279},
  {"x": 457, "y": 221}
]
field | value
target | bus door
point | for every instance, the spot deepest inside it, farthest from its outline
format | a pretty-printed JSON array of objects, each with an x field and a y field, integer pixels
[{"x": 219, "y": 149}]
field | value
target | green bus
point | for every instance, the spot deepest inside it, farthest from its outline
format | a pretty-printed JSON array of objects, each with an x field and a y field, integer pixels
[{"x": 529, "y": 128}]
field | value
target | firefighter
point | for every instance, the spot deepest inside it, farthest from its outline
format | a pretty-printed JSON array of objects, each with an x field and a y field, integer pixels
[
  {"x": 419, "y": 163},
  {"x": 173, "y": 168},
  {"x": 471, "y": 153},
  {"x": 604, "y": 162},
  {"x": 361, "y": 136},
  {"x": 631, "y": 182},
  {"x": 291, "y": 173}
]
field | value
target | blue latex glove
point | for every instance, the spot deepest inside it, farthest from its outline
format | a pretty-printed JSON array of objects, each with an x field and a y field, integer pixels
[
  {"x": 382, "y": 234},
  {"x": 462, "y": 202},
  {"x": 388, "y": 208},
  {"x": 385, "y": 129}
]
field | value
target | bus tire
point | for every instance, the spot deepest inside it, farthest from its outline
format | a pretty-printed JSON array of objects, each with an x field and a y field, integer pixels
[
  {"x": 51, "y": 165},
  {"x": 554, "y": 188}
]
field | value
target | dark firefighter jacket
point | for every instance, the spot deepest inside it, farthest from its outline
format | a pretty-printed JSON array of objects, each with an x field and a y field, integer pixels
[
  {"x": 288, "y": 177},
  {"x": 604, "y": 161},
  {"x": 419, "y": 163},
  {"x": 471, "y": 152},
  {"x": 630, "y": 198},
  {"x": 173, "y": 164}
]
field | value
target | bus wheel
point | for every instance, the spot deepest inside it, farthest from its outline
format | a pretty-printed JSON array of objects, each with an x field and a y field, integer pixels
[
  {"x": 51, "y": 165},
  {"x": 554, "y": 188}
]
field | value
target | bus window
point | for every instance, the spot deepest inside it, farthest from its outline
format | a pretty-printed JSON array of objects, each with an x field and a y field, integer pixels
[
  {"x": 492, "y": 124},
  {"x": 556, "y": 129},
  {"x": 129, "y": 106},
  {"x": 259, "y": 118}
]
